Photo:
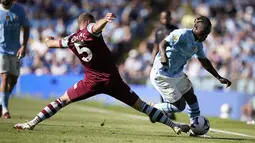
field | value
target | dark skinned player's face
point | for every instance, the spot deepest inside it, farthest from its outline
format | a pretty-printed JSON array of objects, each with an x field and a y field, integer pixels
[
  {"x": 201, "y": 32},
  {"x": 6, "y": 2}
]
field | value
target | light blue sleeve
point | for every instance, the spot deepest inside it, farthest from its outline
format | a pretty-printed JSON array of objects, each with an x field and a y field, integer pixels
[
  {"x": 24, "y": 18},
  {"x": 200, "y": 53}
]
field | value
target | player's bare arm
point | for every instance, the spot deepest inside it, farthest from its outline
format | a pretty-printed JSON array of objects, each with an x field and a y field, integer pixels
[
  {"x": 26, "y": 35},
  {"x": 162, "y": 49},
  {"x": 154, "y": 53},
  {"x": 22, "y": 51},
  {"x": 209, "y": 67},
  {"x": 51, "y": 42},
  {"x": 98, "y": 27}
]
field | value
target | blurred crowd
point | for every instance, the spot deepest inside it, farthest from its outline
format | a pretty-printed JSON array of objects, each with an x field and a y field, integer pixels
[
  {"x": 57, "y": 18},
  {"x": 230, "y": 46}
]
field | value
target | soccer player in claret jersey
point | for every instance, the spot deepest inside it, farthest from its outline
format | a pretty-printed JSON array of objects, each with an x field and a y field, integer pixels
[{"x": 101, "y": 76}]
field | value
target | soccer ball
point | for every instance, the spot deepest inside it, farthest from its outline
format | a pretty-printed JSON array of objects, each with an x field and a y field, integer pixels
[{"x": 200, "y": 126}]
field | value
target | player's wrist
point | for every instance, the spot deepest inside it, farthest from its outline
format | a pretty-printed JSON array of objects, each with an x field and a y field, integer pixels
[
  {"x": 105, "y": 19},
  {"x": 24, "y": 46},
  {"x": 218, "y": 77}
]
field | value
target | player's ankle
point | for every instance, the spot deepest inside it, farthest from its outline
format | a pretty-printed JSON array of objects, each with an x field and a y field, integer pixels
[
  {"x": 31, "y": 124},
  {"x": 4, "y": 111},
  {"x": 35, "y": 121},
  {"x": 175, "y": 125},
  {"x": 192, "y": 120}
]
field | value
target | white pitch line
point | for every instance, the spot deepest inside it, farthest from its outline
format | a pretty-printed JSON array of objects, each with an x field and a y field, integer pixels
[
  {"x": 99, "y": 110},
  {"x": 231, "y": 133}
]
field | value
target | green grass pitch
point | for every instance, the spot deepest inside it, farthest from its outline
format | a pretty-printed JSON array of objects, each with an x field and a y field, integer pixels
[{"x": 89, "y": 122}]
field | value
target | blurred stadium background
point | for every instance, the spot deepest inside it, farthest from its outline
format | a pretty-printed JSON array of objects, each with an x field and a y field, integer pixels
[{"x": 230, "y": 47}]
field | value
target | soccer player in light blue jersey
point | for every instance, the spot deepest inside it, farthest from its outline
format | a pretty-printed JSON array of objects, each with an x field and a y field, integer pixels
[
  {"x": 12, "y": 19},
  {"x": 167, "y": 74}
]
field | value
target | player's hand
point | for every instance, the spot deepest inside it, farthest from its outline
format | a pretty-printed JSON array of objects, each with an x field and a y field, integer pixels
[
  {"x": 225, "y": 81},
  {"x": 110, "y": 16},
  {"x": 164, "y": 61},
  {"x": 21, "y": 52}
]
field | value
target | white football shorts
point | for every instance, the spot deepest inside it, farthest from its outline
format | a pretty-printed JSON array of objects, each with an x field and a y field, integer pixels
[
  {"x": 10, "y": 64},
  {"x": 171, "y": 89}
]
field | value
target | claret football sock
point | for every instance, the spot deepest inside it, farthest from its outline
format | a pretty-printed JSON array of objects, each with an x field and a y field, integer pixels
[
  {"x": 48, "y": 111},
  {"x": 157, "y": 115}
]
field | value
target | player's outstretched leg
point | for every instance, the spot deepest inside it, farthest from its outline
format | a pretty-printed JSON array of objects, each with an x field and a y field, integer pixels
[
  {"x": 159, "y": 116},
  {"x": 171, "y": 115},
  {"x": 47, "y": 112},
  {"x": 169, "y": 108}
]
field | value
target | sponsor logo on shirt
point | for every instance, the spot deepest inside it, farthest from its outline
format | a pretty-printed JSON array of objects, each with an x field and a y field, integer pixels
[
  {"x": 176, "y": 37},
  {"x": 194, "y": 49}
]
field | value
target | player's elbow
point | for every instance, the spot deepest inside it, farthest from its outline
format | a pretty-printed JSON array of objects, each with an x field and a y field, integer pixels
[
  {"x": 206, "y": 66},
  {"x": 163, "y": 44},
  {"x": 96, "y": 30}
]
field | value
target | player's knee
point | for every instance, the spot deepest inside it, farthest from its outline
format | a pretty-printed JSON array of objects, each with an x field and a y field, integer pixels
[
  {"x": 4, "y": 78},
  {"x": 181, "y": 105},
  {"x": 12, "y": 81},
  {"x": 190, "y": 97},
  {"x": 65, "y": 99},
  {"x": 244, "y": 110}
]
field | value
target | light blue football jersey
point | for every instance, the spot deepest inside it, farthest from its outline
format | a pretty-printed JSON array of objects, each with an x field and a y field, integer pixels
[
  {"x": 182, "y": 47},
  {"x": 10, "y": 23}
]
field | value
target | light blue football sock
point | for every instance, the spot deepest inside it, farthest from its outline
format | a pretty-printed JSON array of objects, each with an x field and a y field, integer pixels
[
  {"x": 166, "y": 107},
  {"x": 193, "y": 111},
  {"x": 5, "y": 99}
]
